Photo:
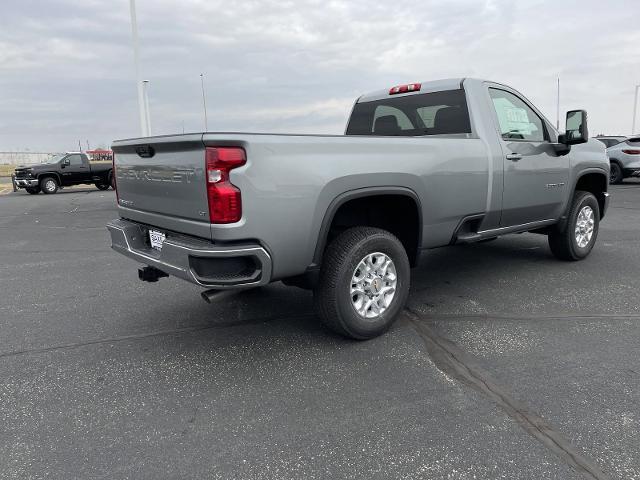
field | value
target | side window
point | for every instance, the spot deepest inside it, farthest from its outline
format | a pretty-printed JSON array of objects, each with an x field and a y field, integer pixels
[
  {"x": 517, "y": 120},
  {"x": 75, "y": 160}
]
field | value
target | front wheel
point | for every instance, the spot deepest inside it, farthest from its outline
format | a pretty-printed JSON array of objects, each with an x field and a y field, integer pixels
[
  {"x": 102, "y": 186},
  {"x": 364, "y": 282},
  {"x": 578, "y": 236},
  {"x": 49, "y": 185}
]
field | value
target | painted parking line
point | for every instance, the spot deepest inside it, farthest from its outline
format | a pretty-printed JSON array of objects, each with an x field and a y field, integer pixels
[{"x": 7, "y": 189}]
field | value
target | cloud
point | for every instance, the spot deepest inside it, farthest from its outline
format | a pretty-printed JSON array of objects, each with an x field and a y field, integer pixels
[{"x": 66, "y": 67}]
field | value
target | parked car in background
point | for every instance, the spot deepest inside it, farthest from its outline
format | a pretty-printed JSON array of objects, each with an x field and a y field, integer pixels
[
  {"x": 625, "y": 159},
  {"x": 71, "y": 168},
  {"x": 421, "y": 166}
]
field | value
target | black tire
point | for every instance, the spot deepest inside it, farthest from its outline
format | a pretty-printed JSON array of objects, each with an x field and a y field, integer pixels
[
  {"x": 332, "y": 296},
  {"x": 617, "y": 175},
  {"x": 102, "y": 186},
  {"x": 33, "y": 190},
  {"x": 49, "y": 185},
  {"x": 563, "y": 243}
]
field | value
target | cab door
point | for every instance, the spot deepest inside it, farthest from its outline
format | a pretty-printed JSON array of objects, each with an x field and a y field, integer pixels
[
  {"x": 76, "y": 169},
  {"x": 535, "y": 176}
]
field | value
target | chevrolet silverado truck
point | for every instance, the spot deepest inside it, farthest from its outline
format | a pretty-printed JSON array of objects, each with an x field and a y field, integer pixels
[
  {"x": 420, "y": 166},
  {"x": 71, "y": 168}
]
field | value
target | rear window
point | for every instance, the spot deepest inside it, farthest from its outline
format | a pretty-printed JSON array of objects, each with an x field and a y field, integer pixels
[
  {"x": 609, "y": 142},
  {"x": 434, "y": 113}
]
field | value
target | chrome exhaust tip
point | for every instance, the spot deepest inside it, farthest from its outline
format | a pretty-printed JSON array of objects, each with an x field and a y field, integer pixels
[{"x": 213, "y": 295}]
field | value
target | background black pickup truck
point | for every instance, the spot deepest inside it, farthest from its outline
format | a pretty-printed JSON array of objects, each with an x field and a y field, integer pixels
[{"x": 73, "y": 168}]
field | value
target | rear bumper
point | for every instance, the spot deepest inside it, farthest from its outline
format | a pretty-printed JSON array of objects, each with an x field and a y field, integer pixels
[
  {"x": 192, "y": 259},
  {"x": 630, "y": 164},
  {"x": 24, "y": 183}
]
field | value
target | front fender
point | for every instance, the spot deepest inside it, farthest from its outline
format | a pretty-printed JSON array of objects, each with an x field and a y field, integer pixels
[{"x": 41, "y": 175}]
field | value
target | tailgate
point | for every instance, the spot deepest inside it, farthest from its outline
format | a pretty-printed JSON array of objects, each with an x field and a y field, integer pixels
[{"x": 161, "y": 180}]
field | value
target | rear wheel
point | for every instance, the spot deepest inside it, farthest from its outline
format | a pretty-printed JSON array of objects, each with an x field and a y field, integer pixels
[
  {"x": 576, "y": 240},
  {"x": 364, "y": 282},
  {"x": 33, "y": 190},
  {"x": 616, "y": 176},
  {"x": 49, "y": 185}
]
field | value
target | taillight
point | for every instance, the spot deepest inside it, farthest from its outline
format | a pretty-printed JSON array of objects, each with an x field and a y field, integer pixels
[
  {"x": 225, "y": 202},
  {"x": 631, "y": 152},
  {"x": 114, "y": 185},
  {"x": 411, "y": 87}
]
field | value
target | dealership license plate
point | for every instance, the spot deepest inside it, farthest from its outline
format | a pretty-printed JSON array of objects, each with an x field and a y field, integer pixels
[{"x": 157, "y": 239}]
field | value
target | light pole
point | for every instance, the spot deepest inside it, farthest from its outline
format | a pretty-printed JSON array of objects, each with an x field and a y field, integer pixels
[
  {"x": 635, "y": 108},
  {"x": 143, "y": 111},
  {"x": 558, "y": 107},
  {"x": 204, "y": 103}
]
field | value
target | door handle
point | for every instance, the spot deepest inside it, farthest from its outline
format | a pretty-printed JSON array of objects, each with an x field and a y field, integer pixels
[{"x": 514, "y": 156}]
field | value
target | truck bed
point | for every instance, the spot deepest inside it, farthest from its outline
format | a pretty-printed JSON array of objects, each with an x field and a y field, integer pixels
[{"x": 289, "y": 182}]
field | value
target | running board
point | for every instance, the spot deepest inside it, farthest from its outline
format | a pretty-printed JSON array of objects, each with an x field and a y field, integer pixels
[
  {"x": 473, "y": 237},
  {"x": 469, "y": 238}
]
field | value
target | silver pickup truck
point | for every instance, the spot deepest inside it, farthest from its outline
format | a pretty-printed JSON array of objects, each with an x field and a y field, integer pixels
[{"x": 420, "y": 166}]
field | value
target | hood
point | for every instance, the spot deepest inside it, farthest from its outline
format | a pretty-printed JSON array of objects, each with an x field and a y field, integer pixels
[{"x": 35, "y": 166}]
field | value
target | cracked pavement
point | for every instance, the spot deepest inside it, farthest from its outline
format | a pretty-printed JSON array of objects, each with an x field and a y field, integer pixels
[{"x": 103, "y": 376}]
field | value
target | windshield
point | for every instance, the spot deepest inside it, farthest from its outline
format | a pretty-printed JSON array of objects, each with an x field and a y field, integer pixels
[
  {"x": 434, "y": 113},
  {"x": 56, "y": 158}
]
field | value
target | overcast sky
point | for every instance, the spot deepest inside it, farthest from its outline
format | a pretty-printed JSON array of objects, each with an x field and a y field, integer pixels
[{"x": 67, "y": 72}]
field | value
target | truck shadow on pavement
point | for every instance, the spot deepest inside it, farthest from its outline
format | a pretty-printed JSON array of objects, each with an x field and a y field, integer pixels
[
  {"x": 479, "y": 263},
  {"x": 439, "y": 271}
]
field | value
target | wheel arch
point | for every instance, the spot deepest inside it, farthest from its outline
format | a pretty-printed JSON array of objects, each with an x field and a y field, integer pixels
[
  {"x": 360, "y": 194},
  {"x": 56, "y": 175},
  {"x": 594, "y": 180}
]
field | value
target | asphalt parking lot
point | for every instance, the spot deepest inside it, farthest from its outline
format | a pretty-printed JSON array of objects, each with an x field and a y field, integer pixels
[{"x": 507, "y": 364}]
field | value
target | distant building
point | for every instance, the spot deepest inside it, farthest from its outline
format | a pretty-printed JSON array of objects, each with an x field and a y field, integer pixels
[{"x": 100, "y": 155}]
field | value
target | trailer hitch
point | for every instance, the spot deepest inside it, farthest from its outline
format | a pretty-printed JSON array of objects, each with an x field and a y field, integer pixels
[{"x": 150, "y": 274}]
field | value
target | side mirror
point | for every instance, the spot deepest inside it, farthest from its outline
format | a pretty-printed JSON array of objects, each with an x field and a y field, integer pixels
[
  {"x": 577, "y": 130},
  {"x": 65, "y": 163}
]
